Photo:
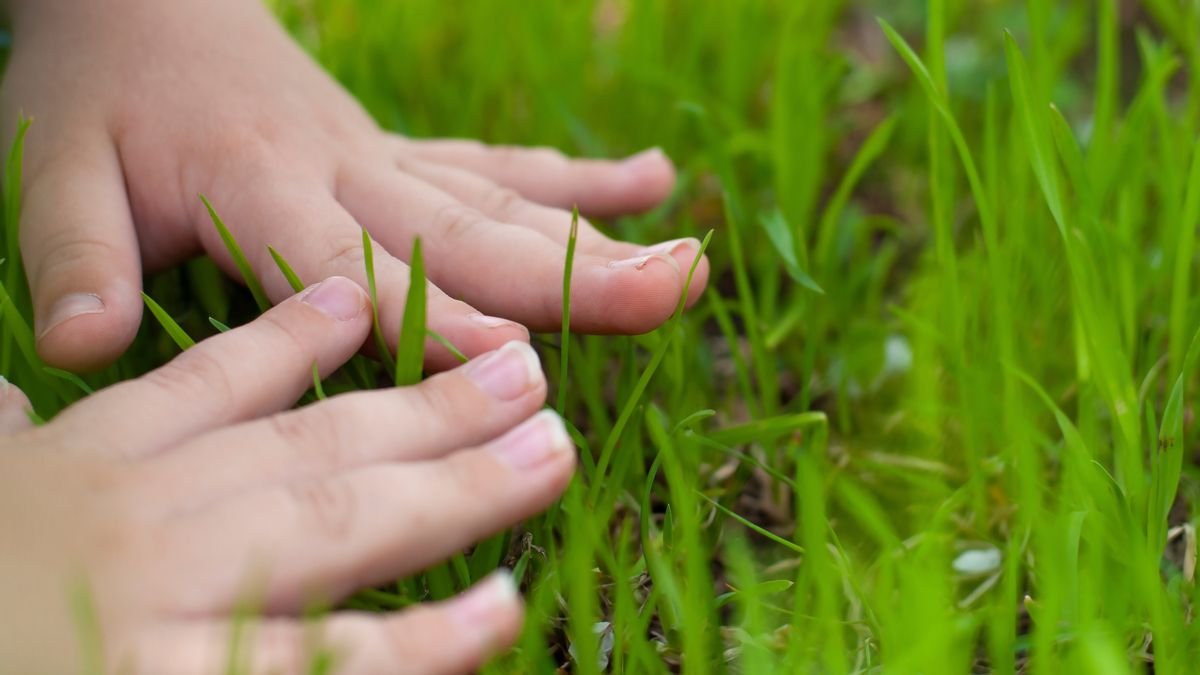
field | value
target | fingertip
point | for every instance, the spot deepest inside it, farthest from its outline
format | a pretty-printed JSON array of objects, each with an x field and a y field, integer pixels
[
  {"x": 628, "y": 297},
  {"x": 683, "y": 252},
  {"x": 84, "y": 331},
  {"x": 647, "y": 179},
  {"x": 490, "y": 614},
  {"x": 14, "y": 408}
]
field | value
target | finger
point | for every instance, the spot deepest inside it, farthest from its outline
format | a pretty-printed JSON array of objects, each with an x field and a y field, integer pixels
[
  {"x": 14, "y": 409},
  {"x": 505, "y": 204},
  {"x": 248, "y": 372},
  {"x": 457, "y": 409},
  {"x": 319, "y": 238},
  {"x": 507, "y": 270},
  {"x": 599, "y": 187},
  {"x": 446, "y": 638},
  {"x": 80, "y": 254},
  {"x": 319, "y": 539}
]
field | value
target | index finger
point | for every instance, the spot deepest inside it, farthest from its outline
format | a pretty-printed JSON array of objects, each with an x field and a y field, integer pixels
[{"x": 248, "y": 372}]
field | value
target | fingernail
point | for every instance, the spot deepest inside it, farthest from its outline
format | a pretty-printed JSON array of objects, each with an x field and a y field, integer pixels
[
  {"x": 4, "y": 385},
  {"x": 507, "y": 372},
  {"x": 489, "y": 321},
  {"x": 337, "y": 297},
  {"x": 644, "y": 159},
  {"x": 69, "y": 307},
  {"x": 670, "y": 247},
  {"x": 478, "y": 609},
  {"x": 641, "y": 261},
  {"x": 534, "y": 441}
]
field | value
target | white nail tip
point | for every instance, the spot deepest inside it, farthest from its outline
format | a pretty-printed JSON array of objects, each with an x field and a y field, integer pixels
[
  {"x": 502, "y": 586},
  {"x": 560, "y": 440},
  {"x": 533, "y": 365}
]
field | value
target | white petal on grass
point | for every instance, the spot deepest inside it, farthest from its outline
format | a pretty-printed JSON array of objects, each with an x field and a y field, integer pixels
[
  {"x": 977, "y": 561},
  {"x": 897, "y": 355},
  {"x": 604, "y": 649}
]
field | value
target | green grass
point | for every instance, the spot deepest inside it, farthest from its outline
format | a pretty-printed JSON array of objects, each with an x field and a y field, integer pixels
[{"x": 952, "y": 319}]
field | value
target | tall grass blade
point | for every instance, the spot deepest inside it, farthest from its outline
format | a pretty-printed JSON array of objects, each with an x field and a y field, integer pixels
[
  {"x": 381, "y": 346},
  {"x": 564, "y": 344},
  {"x": 239, "y": 258},
  {"x": 410, "y": 346}
]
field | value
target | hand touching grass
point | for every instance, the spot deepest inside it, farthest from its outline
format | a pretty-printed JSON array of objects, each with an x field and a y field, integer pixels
[
  {"x": 172, "y": 498},
  {"x": 140, "y": 106}
]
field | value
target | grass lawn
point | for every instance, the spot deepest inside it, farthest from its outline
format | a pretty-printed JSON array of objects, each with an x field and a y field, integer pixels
[{"x": 934, "y": 413}]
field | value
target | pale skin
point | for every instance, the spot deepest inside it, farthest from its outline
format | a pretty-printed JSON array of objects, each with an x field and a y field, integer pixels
[
  {"x": 176, "y": 496},
  {"x": 141, "y": 105},
  {"x": 172, "y": 497}
]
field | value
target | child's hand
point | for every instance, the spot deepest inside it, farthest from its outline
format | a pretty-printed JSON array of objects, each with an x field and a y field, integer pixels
[
  {"x": 140, "y": 105},
  {"x": 170, "y": 499}
]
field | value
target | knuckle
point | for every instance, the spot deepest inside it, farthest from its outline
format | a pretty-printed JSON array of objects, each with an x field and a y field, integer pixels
[
  {"x": 311, "y": 434},
  {"x": 253, "y": 144},
  {"x": 346, "y": 254},
  {"x": 327, "y": 506},
  {"x": 457, "y": 220},
  {"x": 474, "y": 476},
  {"x": 281, "y": 649},
  {"x": 551, "y": 159},
  {"x": 66, "y": 252},
  {"x": 502, "y": 200},
  {"x": 195, "y": 376},
  {"x": 432, "y": 401},
  {"x": 285, "y": 338}
]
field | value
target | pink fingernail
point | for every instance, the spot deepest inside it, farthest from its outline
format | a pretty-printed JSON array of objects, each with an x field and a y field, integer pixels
[
  {"x": 68, "y": 307},
  {"x": 534, "y": 441},
  {"x": 641, "y": 261},
  {"x": 478, "y": 609},
  {"x": 506, "y": 373},
  {"x": 337, "y": 297},
  {"x": 670, "y": 247}
]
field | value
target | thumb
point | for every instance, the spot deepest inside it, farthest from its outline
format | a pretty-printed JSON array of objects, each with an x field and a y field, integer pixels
[
  {"x": 14, "y": 409},
  {"x": 80, "y": 253}
]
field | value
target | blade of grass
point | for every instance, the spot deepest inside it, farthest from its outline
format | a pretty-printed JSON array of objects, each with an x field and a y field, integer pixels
[
  {"x": 12, "y": 215},
  {"x": 320, "y": 390},
  {"x": 17, "y": 327},
  {"x": 791, "y": 546},
  {"x": 70, "y": 377},
  {"x": 410, "y": 345},
  {"x": 564, "y": 343},
  {"x": 293, "y": 279},
  {"x": 447, "y": 345},
  {"x": 385, "y": 354},
  {"x": 12, "y": 200},
  {"x": 631, "y": 402},
  {"x": 169, "y": 324},
  {"x": 239, "y": 257}
]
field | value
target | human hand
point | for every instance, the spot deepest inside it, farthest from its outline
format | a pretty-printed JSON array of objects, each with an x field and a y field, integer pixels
[
  {"x": 174, "y": 495},
  {"x": 142, "y": 105}
]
